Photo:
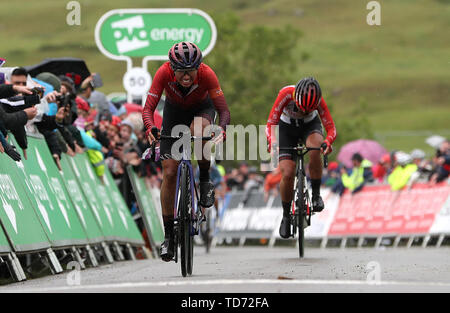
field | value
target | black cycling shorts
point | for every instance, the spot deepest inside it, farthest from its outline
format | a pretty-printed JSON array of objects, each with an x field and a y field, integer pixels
[
  {"x": 291, "y": 134},
  {"x": 175, "y": 115}
]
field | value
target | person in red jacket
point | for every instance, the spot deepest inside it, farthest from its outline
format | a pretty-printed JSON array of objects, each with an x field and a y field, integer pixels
[
  {"x": 193, "y": 94},
  {"x": 298, "y": 111}
]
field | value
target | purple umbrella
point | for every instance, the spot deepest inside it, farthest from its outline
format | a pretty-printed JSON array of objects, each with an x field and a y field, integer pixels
[{"x": 369, "y": 149}]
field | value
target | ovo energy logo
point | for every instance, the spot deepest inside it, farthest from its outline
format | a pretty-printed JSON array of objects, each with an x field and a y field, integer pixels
[
  {"x": 121, "y": 34},
  {"x": 130, "y": 27}
]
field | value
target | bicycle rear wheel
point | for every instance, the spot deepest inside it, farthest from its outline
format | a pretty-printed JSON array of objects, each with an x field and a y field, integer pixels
[{"x": 185, "y": 222}]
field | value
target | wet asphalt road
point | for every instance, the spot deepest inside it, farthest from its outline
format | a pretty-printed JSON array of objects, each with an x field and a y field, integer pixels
[{"x": 262, "y": 269}]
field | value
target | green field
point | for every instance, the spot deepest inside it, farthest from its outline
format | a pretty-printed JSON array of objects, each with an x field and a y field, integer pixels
[{"x": 401, "y": 68}]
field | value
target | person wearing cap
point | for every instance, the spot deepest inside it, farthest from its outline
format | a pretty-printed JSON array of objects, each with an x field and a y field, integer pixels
[
  {"x": 55, "y": 82},
  {"x": 382, "y": 168},
  {"x": 442, "y": 161},
  {"x": 403, "y": 171},
  {"x": 424, "y": 168},
  {"x": 361, "y": 174},
  {"x": 83, "y": 112}
]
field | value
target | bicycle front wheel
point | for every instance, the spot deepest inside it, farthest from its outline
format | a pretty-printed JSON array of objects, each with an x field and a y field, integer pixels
[
  {"x": 301, "y": 215},
  {"x": 184, "y": 209}
]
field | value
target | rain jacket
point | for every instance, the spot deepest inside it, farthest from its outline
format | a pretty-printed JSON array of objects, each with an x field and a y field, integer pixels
[
  {"x": 358, "y": 177},
  {"x": 400, "y": 176},
  {"x": 95, "y": 156}
]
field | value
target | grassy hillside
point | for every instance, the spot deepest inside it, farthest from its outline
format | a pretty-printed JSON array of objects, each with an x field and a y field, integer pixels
[{"x": 401, "y": 69}]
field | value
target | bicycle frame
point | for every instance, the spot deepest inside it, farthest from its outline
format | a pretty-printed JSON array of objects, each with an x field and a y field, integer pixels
[{"x": 185, "y": 161}]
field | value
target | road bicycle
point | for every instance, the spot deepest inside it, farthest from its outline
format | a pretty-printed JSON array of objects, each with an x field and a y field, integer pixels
[
  {"x": 301, "y": 212},
  {"x": 188, "y": 213}
]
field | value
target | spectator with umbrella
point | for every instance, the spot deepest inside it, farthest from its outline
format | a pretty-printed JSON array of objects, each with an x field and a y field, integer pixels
[{"x": 368, "y": 149}]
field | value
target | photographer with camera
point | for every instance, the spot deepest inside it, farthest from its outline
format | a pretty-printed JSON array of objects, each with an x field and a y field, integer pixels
[
  {"x": 38, "y": 104},
  {"x": 19, "y": 108}
]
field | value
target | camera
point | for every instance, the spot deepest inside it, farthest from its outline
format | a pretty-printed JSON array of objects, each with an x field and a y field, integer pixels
[
  {"x": 38, "y": 91},
  {"x": 64, "y": 100}
]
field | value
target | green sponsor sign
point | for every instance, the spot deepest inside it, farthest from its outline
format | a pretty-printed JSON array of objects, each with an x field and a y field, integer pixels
[
  {"x": 19, "y": 219},
  {"x": 124, "y": 33},
  {"x": 89, "y": 182},
  {"x": 120, "y": 209},
  {"x": 110, "y": 211},
  {"x": 46, "y": 191},
  {"x": 147, "y": 208},
  {"x": 81, "y": 205}
]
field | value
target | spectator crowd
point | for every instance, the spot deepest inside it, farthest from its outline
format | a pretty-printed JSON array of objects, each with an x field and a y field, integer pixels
[
  {"x": 74, "y": 117},
  {"x": 398, "y": 169}
]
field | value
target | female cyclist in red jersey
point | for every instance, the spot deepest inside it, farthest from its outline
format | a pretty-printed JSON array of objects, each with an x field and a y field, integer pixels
[
  {"x": 298, "y": 112},
  {"x": 193, "y": 94}
]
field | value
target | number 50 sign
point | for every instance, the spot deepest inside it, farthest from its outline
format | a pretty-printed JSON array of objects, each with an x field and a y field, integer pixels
[{"x": 137, "y": 81}]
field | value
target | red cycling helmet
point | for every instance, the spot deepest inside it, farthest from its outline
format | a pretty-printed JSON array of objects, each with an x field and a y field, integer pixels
[
  {"x": 307, "y": 94},
  {"x": 185, "y": 55}
]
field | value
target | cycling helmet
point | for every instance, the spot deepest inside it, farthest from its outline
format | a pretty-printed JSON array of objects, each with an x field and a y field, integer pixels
[
  {"x": 185, "y": 55},
  {"x": 307, "y": 94}
]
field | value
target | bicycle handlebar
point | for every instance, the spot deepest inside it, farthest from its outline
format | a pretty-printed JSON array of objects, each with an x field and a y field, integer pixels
[
  {"x": 155, "y": 132},
  {"x": 307, "y": 149},
  {"x": 162, "y": 137}
]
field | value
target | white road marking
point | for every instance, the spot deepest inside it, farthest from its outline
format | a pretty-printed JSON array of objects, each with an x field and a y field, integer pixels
[{"x": 229, "y": 282}]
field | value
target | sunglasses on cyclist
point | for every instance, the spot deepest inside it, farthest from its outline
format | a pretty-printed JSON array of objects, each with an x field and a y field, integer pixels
[{"x": 190, "y": 72}]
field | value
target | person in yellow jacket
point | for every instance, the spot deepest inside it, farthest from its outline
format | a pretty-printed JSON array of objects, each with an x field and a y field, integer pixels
[
  {"x": 96, "y": 157},
  {"x": 402, "y": 173},
  {"x": 361, "y": 173}
]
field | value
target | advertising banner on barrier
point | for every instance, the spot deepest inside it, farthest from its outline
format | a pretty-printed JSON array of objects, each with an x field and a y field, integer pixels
[
  {"x": 4, "y": 245},
  {"x": 88, "y": 182},
  {"x": 378, "y": 211},
  {"x": 17, "y": 214},
  {"x": 442, "y": 223},
  {"x": 44, "y": 183},
  {"x": 128, "y": 226},
  {"x": 264, "y": 222},
  {"x": 81, "y": 205},
  {"x": 321, "y": 222},
  {"x": 149, "y": 214}
]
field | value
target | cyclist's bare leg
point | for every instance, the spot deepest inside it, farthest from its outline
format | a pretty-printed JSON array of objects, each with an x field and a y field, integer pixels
[
  {"x": 315, "y": 169},
  {"x": 203, "y": 157},
  {"x": 287, "y": 168},
  {"x": 197, "y": 127},
  {"x": 168, "y": 186},
  {"x": 315, "y": 163}
]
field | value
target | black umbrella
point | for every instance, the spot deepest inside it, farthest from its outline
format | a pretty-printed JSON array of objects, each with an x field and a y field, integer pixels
[{"x": 71, "y": 67}]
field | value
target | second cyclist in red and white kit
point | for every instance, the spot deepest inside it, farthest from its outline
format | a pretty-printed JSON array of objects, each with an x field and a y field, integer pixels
[{"x": 299, "y": 111}]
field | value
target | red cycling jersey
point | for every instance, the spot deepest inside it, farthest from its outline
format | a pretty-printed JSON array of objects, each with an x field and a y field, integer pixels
[
  {"x": 206, "y": 83},
  {"x": 284, "y": 108}
]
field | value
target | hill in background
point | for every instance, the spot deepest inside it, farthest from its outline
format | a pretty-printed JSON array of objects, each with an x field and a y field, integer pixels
[{"x": 396, "y": 75}]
